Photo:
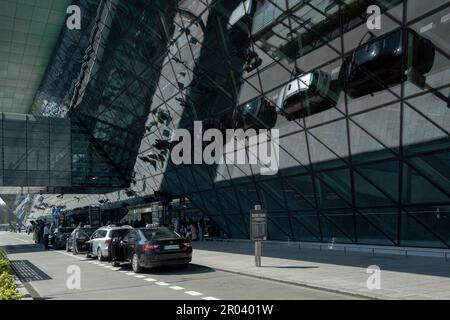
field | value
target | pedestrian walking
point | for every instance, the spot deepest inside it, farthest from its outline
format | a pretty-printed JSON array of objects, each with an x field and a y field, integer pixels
[
  {"x": 194, "y": 235},
  {"x": 189, "y": 232},
  {"x": 200, "y": 230},
  {"x": 46, "y": 235}
]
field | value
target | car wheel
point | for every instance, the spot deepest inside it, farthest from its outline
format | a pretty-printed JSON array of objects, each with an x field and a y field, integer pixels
[
  {"x": 99, "y": 255},
  {"x": 116, "y": 264},
  {"x": 135, "y": 264}
]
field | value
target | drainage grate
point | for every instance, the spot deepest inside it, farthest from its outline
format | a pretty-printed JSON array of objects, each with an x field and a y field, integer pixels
[{"x": 27, "y": 272}]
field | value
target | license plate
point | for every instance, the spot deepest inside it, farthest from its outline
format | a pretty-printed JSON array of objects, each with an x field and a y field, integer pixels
[{"x": 172, "y": 247}]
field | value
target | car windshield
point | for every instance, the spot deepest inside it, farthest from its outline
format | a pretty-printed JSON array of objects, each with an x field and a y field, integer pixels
[
  {"x": 87, "y": 231},
  {"x": 159, "y": 233},
  {"x": 251, "y": 107}
]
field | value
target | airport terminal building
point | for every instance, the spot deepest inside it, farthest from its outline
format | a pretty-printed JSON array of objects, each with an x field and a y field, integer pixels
[{"x": 360, "y": 101}]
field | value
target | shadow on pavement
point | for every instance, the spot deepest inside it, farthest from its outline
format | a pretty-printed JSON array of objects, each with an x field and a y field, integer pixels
[{"x": 24, "y": 248}]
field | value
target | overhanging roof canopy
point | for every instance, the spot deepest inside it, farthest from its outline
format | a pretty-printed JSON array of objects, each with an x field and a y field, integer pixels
[{"x": 29, "y": 30}]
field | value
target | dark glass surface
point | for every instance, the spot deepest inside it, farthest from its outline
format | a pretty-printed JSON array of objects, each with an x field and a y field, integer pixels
[{"x": 369, "y": 169}]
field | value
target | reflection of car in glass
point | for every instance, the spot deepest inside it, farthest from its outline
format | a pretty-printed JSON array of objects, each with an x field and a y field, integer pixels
[
  {"x": 258, "y": 114},
  {"x": 152, "y": 247},
  {"x": 305, "y": 93},
  {"x": 101, "y": 239},
  {"x": 239, "y": 23},
  {"x": 383, "y": 61},
  {"x": 77, "y": 242},
  {"x": 239, "y": 30},
  {"x": 59, "y": 237}
]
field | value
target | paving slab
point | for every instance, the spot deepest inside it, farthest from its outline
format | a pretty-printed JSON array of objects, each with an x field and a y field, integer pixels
[{"x": 344, "y": 272}]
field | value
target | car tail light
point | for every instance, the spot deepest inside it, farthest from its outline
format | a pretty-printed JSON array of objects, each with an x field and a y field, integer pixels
[
  {"x": 149, "y": 247},
  {"x": 108, "y": 241},
  {"x": 187, "y": 244}
]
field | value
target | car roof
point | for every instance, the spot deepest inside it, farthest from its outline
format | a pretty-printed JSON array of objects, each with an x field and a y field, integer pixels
[
  {"x": 153, "y": 228},
  {"x": 115, "y": 227}
]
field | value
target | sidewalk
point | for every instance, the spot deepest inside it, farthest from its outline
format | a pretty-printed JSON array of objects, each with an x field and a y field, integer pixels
[{"x": 401, "y": 277}]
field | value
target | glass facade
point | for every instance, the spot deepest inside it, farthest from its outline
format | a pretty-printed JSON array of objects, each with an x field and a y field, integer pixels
[
  {"x": 369, "y": 168},
  {"x": 363, "y": 115},
  {"x": 52, "y": 155}
]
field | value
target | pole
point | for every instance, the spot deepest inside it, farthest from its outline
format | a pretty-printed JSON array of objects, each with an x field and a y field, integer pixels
[
  {"x": 258, "y": 245},
  {"x": 258, "y": 253}
]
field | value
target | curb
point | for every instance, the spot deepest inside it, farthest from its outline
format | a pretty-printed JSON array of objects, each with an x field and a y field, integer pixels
[{"x": 20, "y": 288}]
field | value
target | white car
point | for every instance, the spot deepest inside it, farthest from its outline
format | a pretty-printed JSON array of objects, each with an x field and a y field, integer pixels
[
  {"x": 102, "y": 238},
  {"x": 304, "y": 93}
]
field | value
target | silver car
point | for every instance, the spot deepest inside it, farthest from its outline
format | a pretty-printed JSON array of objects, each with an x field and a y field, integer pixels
[
  {"x": 102, "y": 238},
  {"x": 305, "y": 93}
]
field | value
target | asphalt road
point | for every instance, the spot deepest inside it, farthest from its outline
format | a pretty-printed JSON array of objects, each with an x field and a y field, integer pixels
[{"x": 49, "y": 275}]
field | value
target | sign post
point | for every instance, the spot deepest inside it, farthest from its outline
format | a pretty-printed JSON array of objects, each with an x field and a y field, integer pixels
[{"x": 258, "y": 230}]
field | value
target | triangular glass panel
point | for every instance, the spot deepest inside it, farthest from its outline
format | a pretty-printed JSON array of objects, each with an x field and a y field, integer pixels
[{"x": 305, "y": 226}]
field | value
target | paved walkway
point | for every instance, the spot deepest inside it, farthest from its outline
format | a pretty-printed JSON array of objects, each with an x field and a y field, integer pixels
[{"x": 401, "y": 277}]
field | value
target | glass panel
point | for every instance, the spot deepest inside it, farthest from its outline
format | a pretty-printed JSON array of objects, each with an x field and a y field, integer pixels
[
  {"x": 337, "y": 226},
  {"x": 334, "y": 189},
  {"x": 278, "y": 228},
  {"x": 417, "y": 234},
  {"x": 377, "y": 226},
  {"x": 305, "y": 226}
]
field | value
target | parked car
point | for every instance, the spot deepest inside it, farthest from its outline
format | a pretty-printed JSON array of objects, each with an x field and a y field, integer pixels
[
  {"x": 383, "y": 62},
  {"x": 59, "y": 237},
  {"x": 305, "y": 93},
  {"x": 101, "y": 239},
  {"x": 78, "y": 241},
  {"x": 258, "y": 114},
  {"x": 151, "y": 247}
]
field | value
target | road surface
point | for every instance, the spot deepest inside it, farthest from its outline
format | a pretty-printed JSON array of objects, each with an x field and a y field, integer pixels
[{"x": 53, "y": 274}]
